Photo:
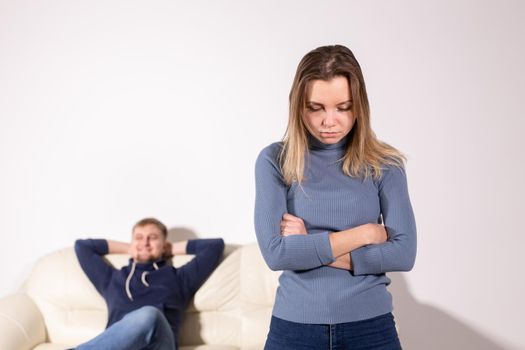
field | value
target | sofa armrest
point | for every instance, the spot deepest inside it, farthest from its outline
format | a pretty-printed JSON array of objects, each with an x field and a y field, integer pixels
[{"x": 21, "y": 323}]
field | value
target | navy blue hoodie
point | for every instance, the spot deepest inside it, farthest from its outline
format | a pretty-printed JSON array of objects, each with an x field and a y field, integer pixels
[{"x": 154, "y": 283}]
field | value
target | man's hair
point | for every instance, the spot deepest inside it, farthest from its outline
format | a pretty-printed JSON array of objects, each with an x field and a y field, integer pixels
[{"x": 152, "y": 221}]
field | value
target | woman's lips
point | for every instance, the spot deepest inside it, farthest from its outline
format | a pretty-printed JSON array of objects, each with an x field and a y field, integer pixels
[{"x": 329, "y": 133}]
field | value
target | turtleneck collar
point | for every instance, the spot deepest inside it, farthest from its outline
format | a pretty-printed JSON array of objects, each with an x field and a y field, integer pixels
[{"x": 315, "y": 144}]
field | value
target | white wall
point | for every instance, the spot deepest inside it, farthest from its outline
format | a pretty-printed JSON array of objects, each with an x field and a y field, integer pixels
[{"x": 115, "y": 110}]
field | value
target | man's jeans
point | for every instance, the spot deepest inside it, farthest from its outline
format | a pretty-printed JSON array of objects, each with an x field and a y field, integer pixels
[{"x": 143, "y": 329}]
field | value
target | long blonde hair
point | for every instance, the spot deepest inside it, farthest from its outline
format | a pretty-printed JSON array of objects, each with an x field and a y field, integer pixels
[{"x": 365, "y": 154}]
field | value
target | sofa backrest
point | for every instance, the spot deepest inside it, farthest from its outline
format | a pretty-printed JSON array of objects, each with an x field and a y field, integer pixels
[
  {"x": 233, "y": 307},
  {"x": 257, "y": 295}
]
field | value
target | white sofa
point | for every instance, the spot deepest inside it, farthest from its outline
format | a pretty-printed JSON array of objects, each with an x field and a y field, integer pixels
[{"x": 58, "y": 307}]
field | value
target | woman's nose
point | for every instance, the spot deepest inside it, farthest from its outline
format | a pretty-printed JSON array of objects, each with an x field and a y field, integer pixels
[{"x": 329, "y": 119}]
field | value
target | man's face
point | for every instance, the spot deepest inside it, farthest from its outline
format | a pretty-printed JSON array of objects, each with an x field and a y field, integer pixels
[{"x": 147, "y": 243}]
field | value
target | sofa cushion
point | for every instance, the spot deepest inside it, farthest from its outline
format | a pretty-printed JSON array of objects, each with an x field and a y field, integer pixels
[{"x": 213, "y": 316}]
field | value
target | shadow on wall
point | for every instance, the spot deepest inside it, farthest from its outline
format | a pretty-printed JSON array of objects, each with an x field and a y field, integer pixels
[
  {"x": 176, "y": 234},
  {"x": 422, "y": 326}
]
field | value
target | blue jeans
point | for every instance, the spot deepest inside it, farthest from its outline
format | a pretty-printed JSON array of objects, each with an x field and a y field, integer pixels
[
  {"x": 143, "y": 329},
  {"x": 378, "y": 333}
]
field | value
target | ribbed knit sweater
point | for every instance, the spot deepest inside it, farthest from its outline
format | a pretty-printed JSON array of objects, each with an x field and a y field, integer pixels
[{"x": 330, "y": 201}]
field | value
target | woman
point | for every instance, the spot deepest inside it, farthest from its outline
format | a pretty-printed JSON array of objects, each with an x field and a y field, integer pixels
[{"x": 321, "y": 196}]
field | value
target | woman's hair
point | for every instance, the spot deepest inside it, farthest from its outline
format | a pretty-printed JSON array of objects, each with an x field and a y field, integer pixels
[{"x": 365, "y": 154}]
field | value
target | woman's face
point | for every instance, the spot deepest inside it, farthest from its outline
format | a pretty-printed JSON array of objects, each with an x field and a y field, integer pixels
[{"x": 328, "y": 115}]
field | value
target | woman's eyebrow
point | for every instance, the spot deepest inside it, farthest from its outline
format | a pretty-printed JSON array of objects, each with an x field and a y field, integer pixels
[{"x": 320, "y": 104}]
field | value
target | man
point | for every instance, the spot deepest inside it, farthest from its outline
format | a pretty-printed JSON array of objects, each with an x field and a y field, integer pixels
[{"x": 146, "y": 299}]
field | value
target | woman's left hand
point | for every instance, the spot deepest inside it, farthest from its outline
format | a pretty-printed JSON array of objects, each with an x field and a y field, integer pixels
[{"x": 292, "y": 225}]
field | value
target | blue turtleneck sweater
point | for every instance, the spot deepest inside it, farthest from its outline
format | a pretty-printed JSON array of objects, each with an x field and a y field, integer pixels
[
  {"x": 330, "y": 201},
  {"x": 167, "y": 288}
]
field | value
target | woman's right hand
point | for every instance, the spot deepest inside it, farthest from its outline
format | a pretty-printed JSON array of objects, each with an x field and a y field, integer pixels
[{"x": 343, "y": 242}]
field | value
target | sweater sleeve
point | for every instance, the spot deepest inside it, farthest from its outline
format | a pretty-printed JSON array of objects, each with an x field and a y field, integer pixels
[
  {"x": 90, "y": 254},
  {"x": 296, "y": 252},
  {"x": 398, "y": 253},
  {"x": 207, "y": 255}
]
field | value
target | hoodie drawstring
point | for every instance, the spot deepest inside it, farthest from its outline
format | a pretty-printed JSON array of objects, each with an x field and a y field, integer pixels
[
  {"x": 142, "y": 278},
  {"x": 128, "y": 280}
]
